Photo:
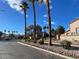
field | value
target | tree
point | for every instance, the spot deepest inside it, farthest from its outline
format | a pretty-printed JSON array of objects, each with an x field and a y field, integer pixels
[
  {"x": 24, "y": 7},
  {"x": 60, "y": 30},
  {"x": 49, "y": 19},
  {"x": 53, "y": 33},
  {"x": 11, "y": 35},
  {"x": 5, "y": 31},
  {"x": 31, "y": 27},
  {"x": 8, "y": 32},
  {"x": 1, "y": 33},
  {"x": 38, "y": 30},
  {"x": 33, "y": 4},
  {"x": 28, "y": 31},
  {"x": 44, "y": 28}
]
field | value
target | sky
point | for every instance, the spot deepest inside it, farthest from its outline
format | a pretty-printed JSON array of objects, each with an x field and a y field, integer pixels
[{"x": 62, "y": 13}]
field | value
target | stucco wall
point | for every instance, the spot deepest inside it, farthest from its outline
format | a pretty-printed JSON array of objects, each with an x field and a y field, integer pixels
[
  {"x": 71, "y": 35},
  {"x": 70, "y": 38},
  {"x": 73, "y": 26}
]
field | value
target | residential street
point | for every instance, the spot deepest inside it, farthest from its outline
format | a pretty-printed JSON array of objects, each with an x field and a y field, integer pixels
[{"x": 13, "y": 50}]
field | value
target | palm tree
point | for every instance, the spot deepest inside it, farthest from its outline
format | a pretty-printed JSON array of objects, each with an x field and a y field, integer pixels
[
  {"x": 24, "y": 7},
  {"x": 49, "y": 19},
  {"x": 44, "y": 28},
  {"x": 16, "y": 32},
  {"x": 5, "y": 31},
  {"x": 33, "y": 4},
  {"x": 1, "y": 33},
  {"x": 9, "y": 32},
  {"x": 30, "y": 29}
]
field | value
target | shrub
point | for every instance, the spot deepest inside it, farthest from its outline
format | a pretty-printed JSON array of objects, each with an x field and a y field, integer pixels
[
  {"x": 27, "y": 40},
  {"x": 41, "y": 41},
  {"x": 66, "y": 44}
]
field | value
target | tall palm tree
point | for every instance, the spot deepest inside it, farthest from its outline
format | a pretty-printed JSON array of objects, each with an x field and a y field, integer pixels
[
  {"x": 24, "y": 7},
  {"x": 5, "y": 31},
  {"x": 9, "y": 32},
  {"x": 33, "y": 4},
  {"x": 49, "y": 19}
]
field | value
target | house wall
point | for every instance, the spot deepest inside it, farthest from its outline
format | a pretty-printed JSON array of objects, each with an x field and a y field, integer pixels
[
  {"x": 72, "y": 34},
  {"x": 74, "y": 26},
  {"x": 70, "y": 38}
]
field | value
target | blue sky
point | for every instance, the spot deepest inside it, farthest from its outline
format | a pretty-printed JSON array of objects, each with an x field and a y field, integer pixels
[{"x": 62, "y": 13}]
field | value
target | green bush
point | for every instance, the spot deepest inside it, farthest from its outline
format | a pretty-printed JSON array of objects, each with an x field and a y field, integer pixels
[
  {"x": 26, "y": 40},
  {"x": 66, "y": 44},
  {"x": 41, "y": 41}
]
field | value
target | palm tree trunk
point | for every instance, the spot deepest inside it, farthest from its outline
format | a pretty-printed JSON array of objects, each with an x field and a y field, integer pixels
[
  {"x": 25, "y": 24},
  {"x": 34, "y": 21},
  {"x": 49, "y": 20}
]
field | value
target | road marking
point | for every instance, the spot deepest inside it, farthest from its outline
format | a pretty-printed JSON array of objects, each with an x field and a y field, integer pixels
[{"x": 46, "y": 51}]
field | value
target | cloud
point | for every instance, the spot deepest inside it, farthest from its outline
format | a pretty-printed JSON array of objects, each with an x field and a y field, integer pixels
[
  {"x": 52, "y": 23},
  {"x": 46, "y": 22},
  {"x": 15, "y": 4},
  {"x": 51, "y": 7},
  {"x": 45, "y": 15},
  {"x": 27, "y": 16}
]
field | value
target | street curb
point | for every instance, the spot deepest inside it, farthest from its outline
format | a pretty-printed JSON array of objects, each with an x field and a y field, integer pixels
[{"x": 46, "y": 50}]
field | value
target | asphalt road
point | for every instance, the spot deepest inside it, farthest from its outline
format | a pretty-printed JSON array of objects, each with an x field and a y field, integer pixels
[{"x": 13, "y": 50}]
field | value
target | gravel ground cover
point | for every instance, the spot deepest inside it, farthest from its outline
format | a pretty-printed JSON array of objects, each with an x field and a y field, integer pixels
[{"x": 72, "y": 52}]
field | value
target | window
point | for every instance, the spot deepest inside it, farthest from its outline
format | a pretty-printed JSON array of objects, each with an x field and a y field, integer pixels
[{"x": 77, "y": 30}]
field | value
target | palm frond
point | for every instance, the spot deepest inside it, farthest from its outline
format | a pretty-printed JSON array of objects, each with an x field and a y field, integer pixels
[{"x": 24, "y": 5}]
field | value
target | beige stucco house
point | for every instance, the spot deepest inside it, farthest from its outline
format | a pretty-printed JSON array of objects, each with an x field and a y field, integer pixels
[{"x": 73, "y": 33}]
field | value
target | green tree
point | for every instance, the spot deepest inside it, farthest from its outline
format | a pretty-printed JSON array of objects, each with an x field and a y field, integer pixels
[
  {"x": 5, "y": 31},
  {"x": 31, "y": 27},
  {"x": 24, "y": 7},
  {"x": 28, "y": 31},
  {"x": 8, "y": 32},
  {"x": 38, "y": 29},
  {"x": 60, "y": 30},
  {"x": 1, "y": 33},
  {"x": 53, "y": 31},
  {"x": 44, "y": 28},
  {"x": 49, "y": 19},
  {"x": 38, "y": 32}
]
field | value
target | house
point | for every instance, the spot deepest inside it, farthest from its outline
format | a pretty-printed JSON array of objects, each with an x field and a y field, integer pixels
[{"x": 73, "y": 33}]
